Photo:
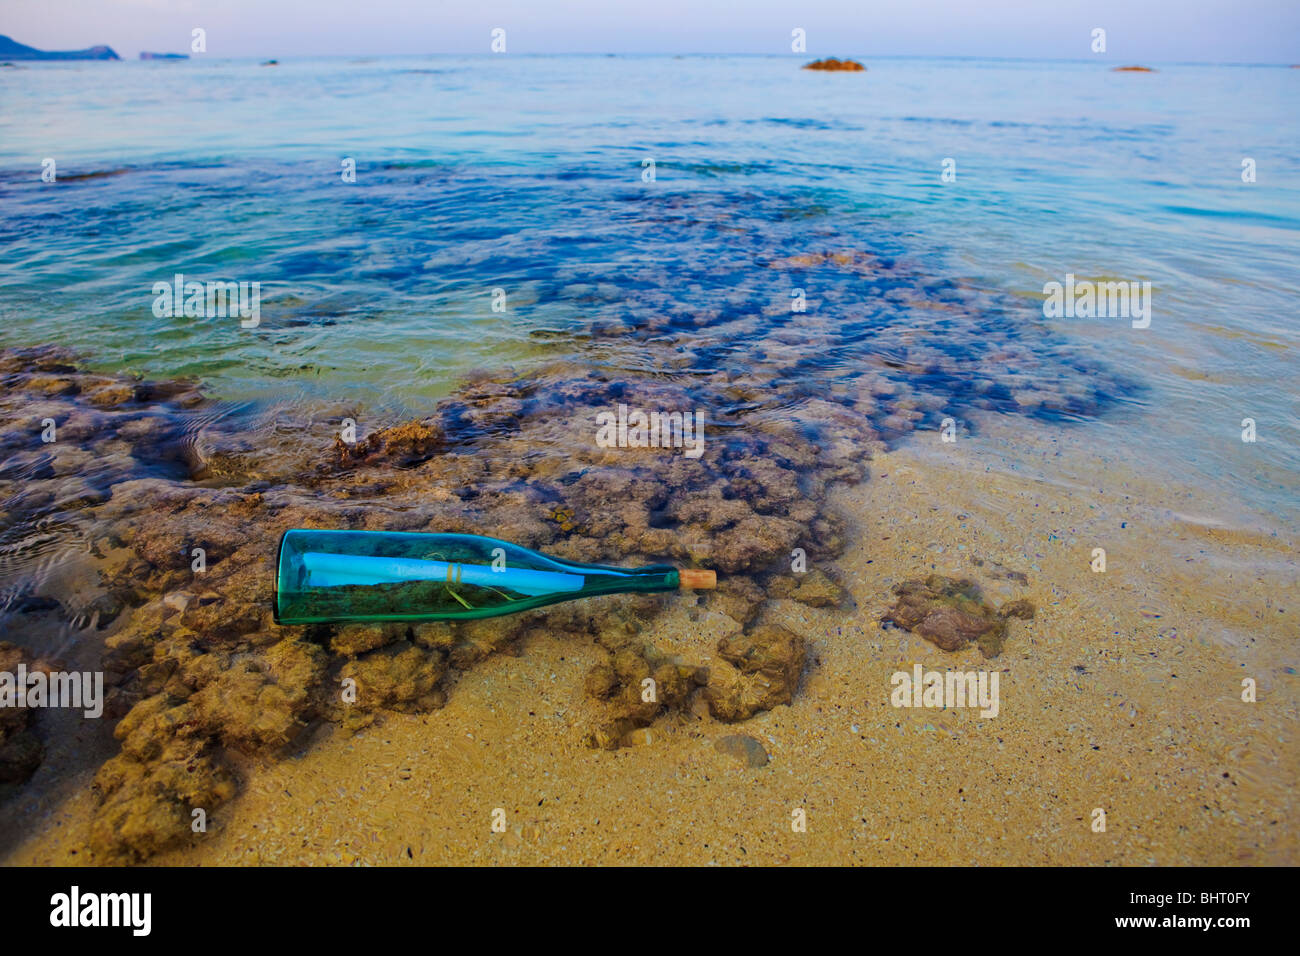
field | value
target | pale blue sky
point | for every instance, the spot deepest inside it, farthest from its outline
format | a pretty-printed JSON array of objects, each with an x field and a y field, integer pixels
[{"x": 1259, "y": 31}]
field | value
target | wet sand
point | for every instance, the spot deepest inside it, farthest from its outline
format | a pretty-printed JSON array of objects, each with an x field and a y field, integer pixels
[{"x": 1123, "y": 693}]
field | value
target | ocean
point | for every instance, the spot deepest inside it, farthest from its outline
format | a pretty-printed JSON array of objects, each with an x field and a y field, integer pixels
[{"x": 525, "y": 174}]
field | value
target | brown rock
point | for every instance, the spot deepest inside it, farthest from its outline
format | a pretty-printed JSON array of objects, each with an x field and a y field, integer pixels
[
  {"x": 830, "y": 63},
  {"x": 400, "y": 677},
  {"x": 601, "y": 681},
  {"x": 21, "y": 752},
  {"x": 354, "y": 639},
  {"x": 951, "y": 613},
  {"x": 1021, "y": 608},
  {"x": 744, "y": 748},
  {"x": 400, "y": 446},
  {"x": 761, "y": 670},
  {"x": 145, "y": 807},
  {"x": 814, "y": 588},
  {"x": 20, "y": 749},
  {"x": 108, "y": 396}
]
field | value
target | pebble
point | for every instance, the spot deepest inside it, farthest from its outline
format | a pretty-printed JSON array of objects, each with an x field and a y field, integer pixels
[{"x": 743, "y": 747}]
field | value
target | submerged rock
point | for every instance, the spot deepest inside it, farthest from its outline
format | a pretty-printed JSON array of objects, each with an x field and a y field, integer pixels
[
  {"x": 743, "y": 747},
  {"x": 401, "y": 677},
  {"x": 401, "y": 446},
  {"x": 952, "y": 613},
  {"x": 262, "y": 700},
  {"x": 815, "y": 588},
  {"x": 739, "y": 597},
  {"x": 1021, "y": 608},
  {"x": 148, "y": 805},
  {"x": 351, "y": 640},
  {"x": 20, "y": 749},
  {"x": 759, "y": 671},
  {"x": 639, "y": 683}
]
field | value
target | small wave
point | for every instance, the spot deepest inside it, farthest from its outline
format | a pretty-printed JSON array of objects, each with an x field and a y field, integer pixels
[{"x": 1237, "y": 214}]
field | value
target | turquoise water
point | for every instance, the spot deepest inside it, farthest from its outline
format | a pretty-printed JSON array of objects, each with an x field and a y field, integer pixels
[{"x": 525, "y": 174}]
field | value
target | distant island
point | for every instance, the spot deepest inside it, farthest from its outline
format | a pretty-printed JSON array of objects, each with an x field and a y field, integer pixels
[
  {"x": 13, "y": 50},
  {"x": 144, "y": 55}
]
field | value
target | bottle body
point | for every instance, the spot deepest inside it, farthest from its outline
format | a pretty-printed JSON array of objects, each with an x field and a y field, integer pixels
[{"x": 370, "y": 576}]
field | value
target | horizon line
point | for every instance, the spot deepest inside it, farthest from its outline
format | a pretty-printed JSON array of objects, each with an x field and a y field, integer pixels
[{"x": 692, "y": 53}]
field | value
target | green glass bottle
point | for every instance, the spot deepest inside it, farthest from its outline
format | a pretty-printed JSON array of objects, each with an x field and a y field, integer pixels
[{"x": 350, "y": 576}]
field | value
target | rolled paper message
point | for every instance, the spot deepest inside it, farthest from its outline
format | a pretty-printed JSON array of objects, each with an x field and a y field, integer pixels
[{"x": 345, "y": 570}]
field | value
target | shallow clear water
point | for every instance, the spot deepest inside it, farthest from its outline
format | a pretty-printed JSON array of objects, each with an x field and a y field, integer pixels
[{"x": 525, "y": 174}]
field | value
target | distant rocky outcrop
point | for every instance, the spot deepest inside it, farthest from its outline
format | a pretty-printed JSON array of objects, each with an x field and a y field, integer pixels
[
  {"x": 144, "y": 55},
  {"x": 11, "y": 49},
  {"x": 830, "y": 63}
]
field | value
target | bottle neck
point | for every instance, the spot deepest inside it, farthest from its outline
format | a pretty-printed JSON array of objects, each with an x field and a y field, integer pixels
[{"x": 648, "y": 580}]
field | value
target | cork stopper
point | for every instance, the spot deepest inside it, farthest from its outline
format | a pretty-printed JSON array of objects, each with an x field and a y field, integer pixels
[{"x": 697, "y": 579}]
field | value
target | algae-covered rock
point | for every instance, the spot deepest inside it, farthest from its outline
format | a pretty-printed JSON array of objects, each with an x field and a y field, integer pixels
[
  {"x": 815, "y": 588},
  {"x": 21, "y": 750},
  {"x": 148, "y": 805},
  {"x": 223, "y": 616},
  {"x": 601, "y": 682},
  {"x": 475, "y": 640},
  {"x": 436, "y": 635},
  {"x": 353, "y": 639},
  {"x": 640, "y": 683},
  {"x": 761, "y": 669},
  {"x": 952, "y": 613},
  {"x": 111, "y": 394},
  {"x": 262, "y": 700},
  {"x": 168, "y": 768},
  {"x": 401, "y": 446},
  {"x": 738, "y": 596},
  {"x": 1020, "y": 608},
  {"x": 401, "y": 676}
]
